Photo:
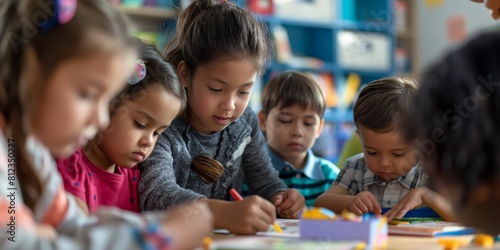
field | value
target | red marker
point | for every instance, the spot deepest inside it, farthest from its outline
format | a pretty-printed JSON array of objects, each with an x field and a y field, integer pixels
[{"x": 236, "y": 196}]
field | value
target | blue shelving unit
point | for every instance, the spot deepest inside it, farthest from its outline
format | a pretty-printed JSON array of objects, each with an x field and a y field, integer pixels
[{"x": 319, "y": 39}]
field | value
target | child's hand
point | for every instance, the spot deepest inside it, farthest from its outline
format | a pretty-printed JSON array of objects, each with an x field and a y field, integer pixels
[
  {"x": 411, "y": 200},
  {"x": 188, "y": 224},
  {"x": 249, "y": 216},
  {"x": 289, "y": 204},
  {"x": 363, "y": 203}
]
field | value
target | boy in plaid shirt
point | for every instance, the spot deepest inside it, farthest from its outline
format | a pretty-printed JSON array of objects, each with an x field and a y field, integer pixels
[{"x": 388, "y": 173}]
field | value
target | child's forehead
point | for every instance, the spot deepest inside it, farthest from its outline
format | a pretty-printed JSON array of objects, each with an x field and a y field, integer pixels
[
  {"x": 152, "y": 101},
  {"x": 219, "y": 63},
  {"x": 100, "y": 69},
  {"x": 388, "y": 140},
  {"x": 237, "y": 71},
  {"x": 294, "y": 108}
]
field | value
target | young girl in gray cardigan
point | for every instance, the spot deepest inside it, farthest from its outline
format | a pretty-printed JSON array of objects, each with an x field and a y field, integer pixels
[{"x": 217, "y": 65}]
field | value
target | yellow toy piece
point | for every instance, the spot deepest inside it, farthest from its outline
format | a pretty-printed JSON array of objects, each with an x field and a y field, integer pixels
[
  {"x": 484, "y": 240},
  {"x": 207, "y": 243},
  {"x": 346, "y": 215},
  {"x": 360, "y": 246},
  {"x": 318, "y": 213},
  {"x": 451, "y": 244}
]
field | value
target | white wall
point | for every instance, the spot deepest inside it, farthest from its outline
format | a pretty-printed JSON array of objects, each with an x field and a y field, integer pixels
[{"x": 433, "y": 30}]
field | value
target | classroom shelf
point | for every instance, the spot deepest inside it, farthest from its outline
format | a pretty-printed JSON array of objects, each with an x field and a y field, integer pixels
[
  {"x": 406, "y": 29},
  {"x": 152, "y": 24},
  {"x": 365, "y": 26},
  {"x": 305, "y": 23},
  {"x": 371, "y": 26}
]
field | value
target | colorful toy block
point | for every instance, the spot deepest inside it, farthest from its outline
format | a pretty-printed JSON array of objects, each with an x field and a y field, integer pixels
[{"x": 319, "y": 224}]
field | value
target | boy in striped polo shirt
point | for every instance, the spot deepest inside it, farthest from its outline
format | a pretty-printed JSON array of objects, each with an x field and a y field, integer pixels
[{"x": 292, "y": 112}]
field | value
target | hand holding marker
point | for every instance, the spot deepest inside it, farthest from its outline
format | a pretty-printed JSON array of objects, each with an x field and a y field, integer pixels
[{"x": 237, "y": 197}]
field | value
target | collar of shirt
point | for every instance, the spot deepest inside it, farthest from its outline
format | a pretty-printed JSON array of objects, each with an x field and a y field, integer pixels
[
  {"x": 311, "y": 168},
  {"x": 406, "y": 180}
]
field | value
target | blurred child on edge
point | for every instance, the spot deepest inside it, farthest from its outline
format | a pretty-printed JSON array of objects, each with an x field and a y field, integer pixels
[{"x": 457, "y": 112}]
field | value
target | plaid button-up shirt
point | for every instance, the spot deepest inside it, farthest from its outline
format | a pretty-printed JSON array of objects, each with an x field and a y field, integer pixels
[{"x": 356, "y": 178}]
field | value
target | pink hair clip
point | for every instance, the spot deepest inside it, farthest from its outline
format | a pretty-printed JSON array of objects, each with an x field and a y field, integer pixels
[
  {"x": 67, "y": 9},
  {"x": 139, "y": 72},
  {"x": 64, "y": 11}
]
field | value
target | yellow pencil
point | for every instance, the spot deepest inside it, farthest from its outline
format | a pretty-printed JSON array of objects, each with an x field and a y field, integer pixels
[{"x": 277, "y": 228}]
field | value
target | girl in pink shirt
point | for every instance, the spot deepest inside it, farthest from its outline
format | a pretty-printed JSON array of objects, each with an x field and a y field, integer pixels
[{"x": 104, "y": 172}]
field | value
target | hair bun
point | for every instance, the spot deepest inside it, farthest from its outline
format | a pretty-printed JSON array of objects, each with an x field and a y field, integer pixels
[{"x": 207, "y": 168}]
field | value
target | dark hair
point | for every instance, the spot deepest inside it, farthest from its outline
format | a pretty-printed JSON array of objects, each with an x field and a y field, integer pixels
[
  {"x": 457, "y": 114},
  {"x": 383, "y": 105},
  {"x": 213, "y": 29},
  {"x": 20, "y": 31},
  {"x": 158, "y": 72},
  {"x": 290, "y": 88}
]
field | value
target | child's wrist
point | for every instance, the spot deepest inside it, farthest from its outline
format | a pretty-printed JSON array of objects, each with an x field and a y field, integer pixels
[
  {"x": 427, "y": 195},
  {"x": 221, "y": 211}
]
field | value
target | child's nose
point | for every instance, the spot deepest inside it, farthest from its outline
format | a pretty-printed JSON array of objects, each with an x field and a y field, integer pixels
[
  {"x": 297, "y": 130},
  {"x": 384, "y": 161},
  {"x": 228, "y": 104},
  {"x": 147, "y": 141}
]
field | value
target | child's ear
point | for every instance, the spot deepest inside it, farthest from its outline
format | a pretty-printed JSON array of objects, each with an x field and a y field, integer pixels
[
  {"x": 320, "y": 129},
  {"x": 262, "y": 121},
  {"x": 183, "y": 73}
]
